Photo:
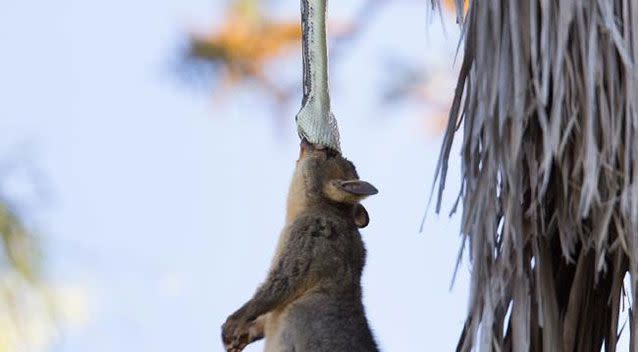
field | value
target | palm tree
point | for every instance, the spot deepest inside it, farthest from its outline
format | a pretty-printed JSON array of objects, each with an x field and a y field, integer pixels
[{"x": 548, "y": 100}]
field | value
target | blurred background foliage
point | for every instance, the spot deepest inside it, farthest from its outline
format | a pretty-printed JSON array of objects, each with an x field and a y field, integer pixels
[
  {"x": 240, "y": 48},
  {"x": 244, "y": 47},
  {"x": 26, "y": 305}
]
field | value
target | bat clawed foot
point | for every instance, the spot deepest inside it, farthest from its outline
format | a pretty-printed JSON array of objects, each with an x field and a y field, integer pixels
[{"x": 238, "y": 333}]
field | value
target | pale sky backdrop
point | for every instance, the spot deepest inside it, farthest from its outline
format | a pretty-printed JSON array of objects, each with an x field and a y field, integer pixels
[{"x": 164, "y": 204}]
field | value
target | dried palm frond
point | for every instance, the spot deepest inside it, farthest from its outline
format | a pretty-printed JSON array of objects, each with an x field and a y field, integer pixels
[{"x": 548, "y": 100}]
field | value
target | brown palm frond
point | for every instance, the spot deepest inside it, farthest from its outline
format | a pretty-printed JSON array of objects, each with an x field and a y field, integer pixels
[{"x": 548, "y": 100}]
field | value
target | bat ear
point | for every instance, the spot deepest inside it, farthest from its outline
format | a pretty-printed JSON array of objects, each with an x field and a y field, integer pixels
[
  {"x": 361, "y": 218},
  {"x": 358, "y": 188},
  {"x": 349, "y": 191}
]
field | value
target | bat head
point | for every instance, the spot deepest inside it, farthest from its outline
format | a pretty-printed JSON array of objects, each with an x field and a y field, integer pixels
[{"x": 324, "y": 175}]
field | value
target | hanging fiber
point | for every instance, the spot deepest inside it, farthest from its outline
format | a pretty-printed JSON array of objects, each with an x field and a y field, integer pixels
[{"x": 548, "y": 100}]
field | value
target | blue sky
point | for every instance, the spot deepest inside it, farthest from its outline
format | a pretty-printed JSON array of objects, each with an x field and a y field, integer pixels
[{"x": 165, "y": 204}]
